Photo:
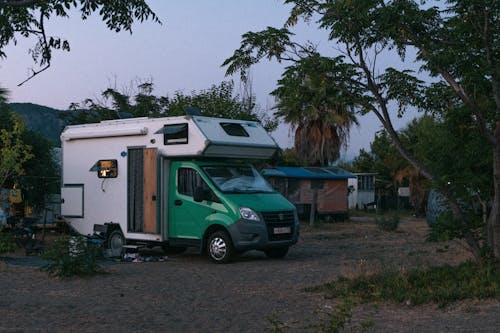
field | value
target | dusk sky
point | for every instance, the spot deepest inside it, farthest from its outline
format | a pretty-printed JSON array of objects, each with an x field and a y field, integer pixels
[{"x": 184, "y": 54}]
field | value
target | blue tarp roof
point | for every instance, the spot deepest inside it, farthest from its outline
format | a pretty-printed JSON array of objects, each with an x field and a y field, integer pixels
[{"x": 308, "y": 172}]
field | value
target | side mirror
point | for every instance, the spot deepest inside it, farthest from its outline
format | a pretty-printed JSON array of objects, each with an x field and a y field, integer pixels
[{"x": 199, "y": 194}]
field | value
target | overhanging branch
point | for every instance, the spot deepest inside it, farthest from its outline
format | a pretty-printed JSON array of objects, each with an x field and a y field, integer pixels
[
  {"x": 35, "y": 73},
  {"x": 46, "y": 53}
]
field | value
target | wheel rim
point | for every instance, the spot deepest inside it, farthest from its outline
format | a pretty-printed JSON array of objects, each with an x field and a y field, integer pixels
[
  {"x": 116, "y": 244},
  {"x": 218, "y": 248}
]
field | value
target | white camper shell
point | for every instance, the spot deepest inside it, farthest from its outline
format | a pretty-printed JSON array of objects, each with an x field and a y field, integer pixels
[
  {"x": 100, "y": 173},
  {"x": 182, "y": 136}
]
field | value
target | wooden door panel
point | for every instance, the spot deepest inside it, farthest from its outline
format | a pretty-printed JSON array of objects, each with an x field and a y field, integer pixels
[{"x": 150, "y": 193}]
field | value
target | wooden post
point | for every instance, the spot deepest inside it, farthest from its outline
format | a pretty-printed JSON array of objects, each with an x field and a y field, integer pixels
[{"x": 312, "y": 214}]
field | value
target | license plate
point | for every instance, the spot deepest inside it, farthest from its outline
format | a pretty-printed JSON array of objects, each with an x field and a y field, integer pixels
[{"x": 282, "y": 230}]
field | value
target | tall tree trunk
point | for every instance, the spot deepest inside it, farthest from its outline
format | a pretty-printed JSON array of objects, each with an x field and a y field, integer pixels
[{"x": 493, "y": 226}]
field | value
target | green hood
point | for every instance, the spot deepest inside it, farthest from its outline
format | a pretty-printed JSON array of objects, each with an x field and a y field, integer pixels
[{"x": 261, "y": 202}]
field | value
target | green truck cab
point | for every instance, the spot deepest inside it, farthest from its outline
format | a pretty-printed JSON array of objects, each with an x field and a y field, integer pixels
[{"x": 228, "y": 208}]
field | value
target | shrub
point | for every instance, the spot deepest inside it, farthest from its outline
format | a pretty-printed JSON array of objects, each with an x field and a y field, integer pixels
[
  {"x": 388, "y": 223},
  {"x": 7, "y": 242},
  {"x": 445, "y": 228},
  {"x": 70, "y": 256}
]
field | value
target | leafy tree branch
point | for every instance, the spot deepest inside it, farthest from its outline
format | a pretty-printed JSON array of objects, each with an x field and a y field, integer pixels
[{"x": 22, "y": 18}]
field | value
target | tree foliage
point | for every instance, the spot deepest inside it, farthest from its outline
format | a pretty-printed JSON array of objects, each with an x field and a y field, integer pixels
[
  {"x": 41, "y": 173},
  {"x": 28, "y": 19},
  {"x": 309, "y": 98},
  {"x": 14, "y": 152},
  {"x": 217, "y": 101},
  {"x": 382, "y": 159},
  {"x": 26, "y": 158},
  {"x": 450, "y": 145},
  {"x": 288, "y": 157},
  {"x": 456, "y": 41},
  {"x": 310, "y": 93}
]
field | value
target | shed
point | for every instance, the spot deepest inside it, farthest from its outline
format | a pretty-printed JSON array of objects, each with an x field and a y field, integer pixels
[
  {"x": 362, "y": 193},
  {"x": 298, "y": 185}
]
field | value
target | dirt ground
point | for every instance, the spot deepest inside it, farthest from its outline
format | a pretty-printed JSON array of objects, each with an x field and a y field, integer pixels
[{"x": 187, "y": 293}]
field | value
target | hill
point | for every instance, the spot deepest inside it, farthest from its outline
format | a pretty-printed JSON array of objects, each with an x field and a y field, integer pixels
[{"x": 41, "y": 119}]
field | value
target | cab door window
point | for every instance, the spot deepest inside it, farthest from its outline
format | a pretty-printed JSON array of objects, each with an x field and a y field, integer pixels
[{"x": 189, "y": 179}]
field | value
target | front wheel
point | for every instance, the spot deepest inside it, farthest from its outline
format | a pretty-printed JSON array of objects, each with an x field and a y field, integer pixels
[
  {"x": 220, "y": 247},
  {"x": 277, "y": 253}
]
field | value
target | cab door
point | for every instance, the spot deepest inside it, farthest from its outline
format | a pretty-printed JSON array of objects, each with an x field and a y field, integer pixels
[{"x": 188, "y": 218}]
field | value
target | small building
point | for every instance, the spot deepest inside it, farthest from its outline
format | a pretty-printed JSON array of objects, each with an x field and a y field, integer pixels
[
  {"x": 298, "y": 185},
  {"x": 362, "y": 191}
]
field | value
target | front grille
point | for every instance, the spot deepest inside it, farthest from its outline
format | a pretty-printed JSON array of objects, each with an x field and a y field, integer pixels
[{"x": 275, "y": 220}]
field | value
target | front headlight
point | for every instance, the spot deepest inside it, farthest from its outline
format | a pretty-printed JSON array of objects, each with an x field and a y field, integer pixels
[{"x": 249, "y": 214}]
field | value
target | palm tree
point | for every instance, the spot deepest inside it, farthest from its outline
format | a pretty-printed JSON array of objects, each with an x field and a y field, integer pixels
[
  {"x": 3, "y": 95},
  {"x": 309, "y": 97}
]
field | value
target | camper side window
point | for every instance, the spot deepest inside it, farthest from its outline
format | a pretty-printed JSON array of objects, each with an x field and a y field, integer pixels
[
  {"x": 175, "y": 134},
  {"x": 189, "y": 179},
  {"x": 107, "y": 169}
]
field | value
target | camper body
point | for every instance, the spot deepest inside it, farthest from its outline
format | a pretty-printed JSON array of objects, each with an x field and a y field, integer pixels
[{"x": 174, "y": 182}]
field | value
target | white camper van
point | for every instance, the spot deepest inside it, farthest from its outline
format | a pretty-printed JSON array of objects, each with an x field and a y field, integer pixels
[{"x": 175, "y": 182}]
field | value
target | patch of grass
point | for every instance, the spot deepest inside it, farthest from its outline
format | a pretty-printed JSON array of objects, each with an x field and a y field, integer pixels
[
  {"x": 441, "y": 285},
  {"x": 275, "y": 324},
  {"x": 72, "y": 256},
  {"x": 388, "y": 223},
  {"x": 339, "y": 318}
]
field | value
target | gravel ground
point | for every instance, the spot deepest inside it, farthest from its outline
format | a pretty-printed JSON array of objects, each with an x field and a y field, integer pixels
[{"x": 187, "y": 293}]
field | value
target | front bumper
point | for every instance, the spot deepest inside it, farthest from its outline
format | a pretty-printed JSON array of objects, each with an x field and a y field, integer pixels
[{"x": 251, "y": 235}]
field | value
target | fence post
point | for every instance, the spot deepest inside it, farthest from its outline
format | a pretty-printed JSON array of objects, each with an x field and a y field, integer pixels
[{"x": 312, "y": 215}]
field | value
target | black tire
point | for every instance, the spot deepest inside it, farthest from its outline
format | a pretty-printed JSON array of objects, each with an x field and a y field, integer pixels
[
  {"x": 277, "y": 252},
  {"x": 220, "y": 247},
  {"x": 116, "y": 241}
]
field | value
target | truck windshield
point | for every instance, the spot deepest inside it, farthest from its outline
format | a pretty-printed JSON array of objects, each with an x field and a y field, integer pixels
[{"x": 237, "y": 179}]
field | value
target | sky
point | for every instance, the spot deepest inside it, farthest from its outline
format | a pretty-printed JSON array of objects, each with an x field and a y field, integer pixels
[{"x": 185, "y": 54}]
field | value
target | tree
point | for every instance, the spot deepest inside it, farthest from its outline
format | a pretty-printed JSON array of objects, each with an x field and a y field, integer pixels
[
  {"x": 28, "y": 18},
  {"x": 451, "y": 146},
  {"x": 458, "y": 43},
  {"x": 26, "y": 158},
  {"x": 309, "y": 101},
  {"x": 382, "y": 159},
  {"x": 14, "y": 152},
  {"x": 288, "y": 157},
  {"x": 307, "y": 93},
  {"x": 217, "y": 101},
  {"x": 41, "y": 173}
]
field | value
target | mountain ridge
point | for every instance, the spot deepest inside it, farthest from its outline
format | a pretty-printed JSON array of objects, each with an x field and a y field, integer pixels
[{"x": 42, "y": 120}]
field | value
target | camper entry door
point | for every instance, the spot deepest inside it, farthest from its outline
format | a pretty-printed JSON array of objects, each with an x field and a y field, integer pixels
[{"x": 142, "y": 190}]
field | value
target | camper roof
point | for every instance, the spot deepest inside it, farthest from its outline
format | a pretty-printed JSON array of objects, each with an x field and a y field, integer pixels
[{"x": 185, "y": 135}]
